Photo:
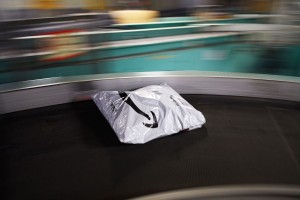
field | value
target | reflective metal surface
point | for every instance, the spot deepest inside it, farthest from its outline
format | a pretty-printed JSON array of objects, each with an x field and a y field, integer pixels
[
  {"x": 39, "y": 93},
  {"x": 230, "y": 192}
]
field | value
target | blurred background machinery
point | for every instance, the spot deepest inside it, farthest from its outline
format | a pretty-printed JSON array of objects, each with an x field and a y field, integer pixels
[
  {"x": 118, "y": 36},
  {"x": 49, "y": 39}
]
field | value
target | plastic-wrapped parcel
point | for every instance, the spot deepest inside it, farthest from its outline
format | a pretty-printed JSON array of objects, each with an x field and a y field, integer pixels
[{"x": 147, "y": 113}]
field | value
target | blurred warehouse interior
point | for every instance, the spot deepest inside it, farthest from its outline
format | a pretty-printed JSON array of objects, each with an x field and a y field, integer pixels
[
  {"x": 13, "y": 9},
  {"x": 57, "y": 38}
]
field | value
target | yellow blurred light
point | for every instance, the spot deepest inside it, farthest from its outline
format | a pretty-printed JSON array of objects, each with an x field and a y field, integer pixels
[
  {"x": 95, "y": 4},
  {"x": 47, "y": 4}
]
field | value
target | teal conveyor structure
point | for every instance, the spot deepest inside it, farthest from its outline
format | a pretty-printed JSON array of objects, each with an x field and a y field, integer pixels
[{"x": 178, "y": 45}]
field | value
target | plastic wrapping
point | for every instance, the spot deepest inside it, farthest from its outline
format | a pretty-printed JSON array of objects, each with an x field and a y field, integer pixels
[{"x": 147, "y": 113}]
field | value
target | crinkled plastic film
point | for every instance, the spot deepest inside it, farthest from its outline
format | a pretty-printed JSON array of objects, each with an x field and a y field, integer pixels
[{"x": 147, "y": 113}]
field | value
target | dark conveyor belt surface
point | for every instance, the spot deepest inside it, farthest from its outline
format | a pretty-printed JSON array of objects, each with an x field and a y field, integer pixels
[{"x": 70, "y": 152}]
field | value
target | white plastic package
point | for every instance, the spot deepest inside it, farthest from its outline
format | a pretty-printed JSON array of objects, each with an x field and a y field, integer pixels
[{"x": 147, "y": 113}]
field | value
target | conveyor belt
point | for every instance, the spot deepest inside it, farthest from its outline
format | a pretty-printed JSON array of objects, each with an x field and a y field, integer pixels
[{"x": 70, "y": 152}]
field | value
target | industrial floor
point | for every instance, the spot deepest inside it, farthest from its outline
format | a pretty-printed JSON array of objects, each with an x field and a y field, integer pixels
[{"x": 70, "y": 152}]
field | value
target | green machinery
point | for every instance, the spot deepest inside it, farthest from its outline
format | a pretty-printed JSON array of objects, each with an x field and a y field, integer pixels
[{"x": 169, "y": 45}]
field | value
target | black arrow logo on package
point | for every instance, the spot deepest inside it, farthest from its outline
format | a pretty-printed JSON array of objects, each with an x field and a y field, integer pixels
[{"x": 127, "y": 99}]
